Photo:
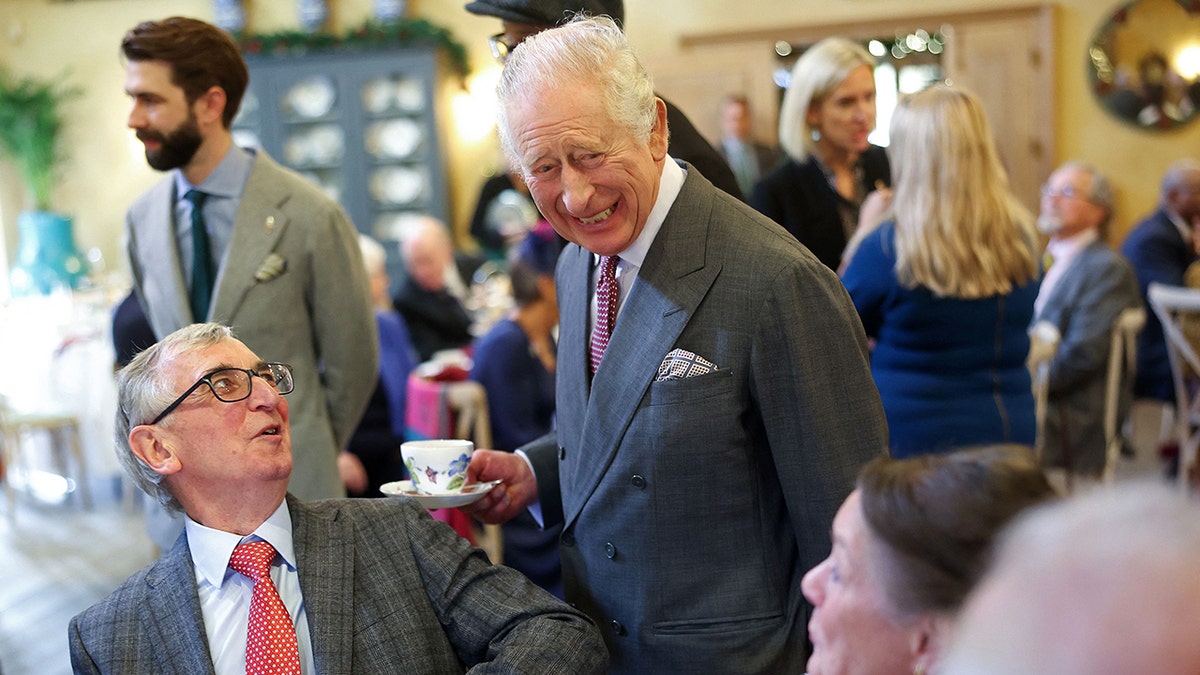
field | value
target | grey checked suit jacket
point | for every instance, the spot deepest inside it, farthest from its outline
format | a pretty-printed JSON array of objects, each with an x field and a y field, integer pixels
[
  {"x": 386, "y": 590},
  {"x": 693, "y": 507},
  {"x": 1083, "y": 304},
  {"x": 314, "y": 314}
]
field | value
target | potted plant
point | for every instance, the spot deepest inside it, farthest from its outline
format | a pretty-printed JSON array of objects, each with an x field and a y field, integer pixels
[{"x": 30, "y": 137}]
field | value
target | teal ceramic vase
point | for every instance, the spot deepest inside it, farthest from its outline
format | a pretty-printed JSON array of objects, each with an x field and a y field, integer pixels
[{"x": 46, "y": 255}]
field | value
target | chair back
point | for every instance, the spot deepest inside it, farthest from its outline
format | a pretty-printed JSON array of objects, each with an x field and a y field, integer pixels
[
  {"x": 1122, "y": 366},
  {"x": 1044, "y": 337},
  {"x": 1172, "y": 305}
]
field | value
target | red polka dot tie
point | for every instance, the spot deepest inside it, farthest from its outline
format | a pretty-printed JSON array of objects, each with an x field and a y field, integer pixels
[
  {"x": 271, "y": 638},
  {"x": 607, "y": 300}
]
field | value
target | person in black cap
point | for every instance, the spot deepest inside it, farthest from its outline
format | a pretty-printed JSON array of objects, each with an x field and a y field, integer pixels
[{"x": 522, "y": 18}]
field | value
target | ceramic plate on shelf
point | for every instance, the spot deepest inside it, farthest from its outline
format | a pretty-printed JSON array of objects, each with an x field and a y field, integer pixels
[
  {"x": 396, "y": 184},
  {"x": 311, "y": 97},
  {"x": 467, "y": 495},
  {"x": 393, "y": 139},
  {"x": 409, "y": 94},
  {"x": 378, "y": 94}
]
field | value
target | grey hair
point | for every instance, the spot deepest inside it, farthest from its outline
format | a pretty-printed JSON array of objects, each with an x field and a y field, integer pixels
[
  {"x": 816, "y": 74},
  {"x": 1101, "y": 192},
  {"x": 586, "y": 50},
  {"x": 143, "y": 392},
  {"x": 1177, "y": 174}
]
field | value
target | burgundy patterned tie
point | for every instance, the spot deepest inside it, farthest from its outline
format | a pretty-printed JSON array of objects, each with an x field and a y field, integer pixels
[
  {"x": 608, "y": 292},
  {"x": 271, "y": 639}
]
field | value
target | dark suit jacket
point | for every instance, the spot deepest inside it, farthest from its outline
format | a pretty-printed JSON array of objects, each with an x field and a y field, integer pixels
[
  {"x": 436, "y": 320},
  {"x": 386, "y": 590},
  {"x": 293, "y": 288},
  {"x": 686, "y": 144},
  {"x": 1158, "y": 253},
  {"x": 800, "y": 198},
  {"x": 693, "y": 507},
  {"x": 1085, "y": 302}
]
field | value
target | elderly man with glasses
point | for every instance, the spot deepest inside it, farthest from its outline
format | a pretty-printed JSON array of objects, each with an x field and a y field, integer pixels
[
  {"x": 1085, "y": 288},
  {"x": 262, "y": 582},
  {"x": 523, "y": 18}
]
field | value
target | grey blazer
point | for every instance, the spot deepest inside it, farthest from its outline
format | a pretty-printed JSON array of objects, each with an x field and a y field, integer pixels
[
  {"x": 386, "y": 590},
  {"x": 1083, "y": 305},
  {"x": 293, "y": 288},
  {"x": 693, "y": 507}
]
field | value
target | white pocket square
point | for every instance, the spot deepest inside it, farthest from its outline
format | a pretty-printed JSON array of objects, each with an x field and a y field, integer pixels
[
  {"x": 681, "y": 363},
  {"x": 273, "y": 265}
]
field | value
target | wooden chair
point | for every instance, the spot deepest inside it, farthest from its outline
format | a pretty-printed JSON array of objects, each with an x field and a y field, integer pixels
[
  {"x": 1044, "y": 337},
  {"x": 62, "y": 431},
  {"x": 1171, "y": 304},
  {"x": 1122, "y": 366}
]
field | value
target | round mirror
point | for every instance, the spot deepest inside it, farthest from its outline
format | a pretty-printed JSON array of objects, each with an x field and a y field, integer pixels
[{"x": 1145, "y": 62}]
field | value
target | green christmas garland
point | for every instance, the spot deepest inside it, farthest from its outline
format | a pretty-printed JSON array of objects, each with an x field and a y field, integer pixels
[{"x": 371, "y": 35}]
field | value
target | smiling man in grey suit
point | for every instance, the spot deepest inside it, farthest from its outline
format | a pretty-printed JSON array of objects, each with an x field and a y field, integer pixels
[
  {"x": 697, "y": 470},
  {"x": 1085, "y": 288},
  {"x": 282, "y": 264},
  {"x": 367, "y": 585}
]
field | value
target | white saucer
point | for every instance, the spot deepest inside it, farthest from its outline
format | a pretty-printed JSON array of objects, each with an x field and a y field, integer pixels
[{"x": 467, "y": 495}]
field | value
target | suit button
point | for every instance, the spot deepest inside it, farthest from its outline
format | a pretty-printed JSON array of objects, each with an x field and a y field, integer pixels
[
  {"x": 562, "y": 453},
  {"x": 638, "y": 481},
  {"x": 610, "y": 550},
  {"x": 568, "y": 539},
  {"x": 618, "y": 629}
]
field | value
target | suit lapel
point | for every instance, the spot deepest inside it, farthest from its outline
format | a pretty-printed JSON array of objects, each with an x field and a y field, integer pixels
[
  {"x": 162, "y": 282},
  {"x": 325, "y": 564},
  {"x": 172, "y": 620},
  {"x": 257, "y": 227},
  {"x": 573, "y": 288},
  {"x": 1068, "y": 285},
  {"x": 674, "y": 278}
]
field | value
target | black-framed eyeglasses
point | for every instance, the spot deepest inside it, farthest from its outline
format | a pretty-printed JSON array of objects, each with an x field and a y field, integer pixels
[
  {"x": 500, "y": 48},
  {"x": 235, "y": 384}
]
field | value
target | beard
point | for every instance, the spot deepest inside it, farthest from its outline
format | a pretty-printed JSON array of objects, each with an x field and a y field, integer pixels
[
  {"x": 1049, "y": 224},
  {"x": 176, "y": 148}
]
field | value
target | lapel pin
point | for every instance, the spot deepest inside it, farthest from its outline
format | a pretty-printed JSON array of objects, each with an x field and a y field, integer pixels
[{"x": 270, "y": 224}]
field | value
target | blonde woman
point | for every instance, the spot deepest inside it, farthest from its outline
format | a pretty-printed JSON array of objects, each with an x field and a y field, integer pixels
[
  {"x": 945, "y": 287},
  {"x": 827, "y": 113}
]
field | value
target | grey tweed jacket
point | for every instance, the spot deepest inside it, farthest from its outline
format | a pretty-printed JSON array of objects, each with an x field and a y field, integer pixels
[{"x": 386, "y": 590}]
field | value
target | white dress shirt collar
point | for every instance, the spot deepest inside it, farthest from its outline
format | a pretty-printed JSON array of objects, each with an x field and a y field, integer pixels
[
  {"x": 211, "y": 549},
  {"x": 1063, "y": 252},
  {"x": 670, "y": 182}
]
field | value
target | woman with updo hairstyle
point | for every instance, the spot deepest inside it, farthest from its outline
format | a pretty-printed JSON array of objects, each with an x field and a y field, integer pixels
[
  {"x": 827, "y": 113},
  {"x": 908, "y": 546}
]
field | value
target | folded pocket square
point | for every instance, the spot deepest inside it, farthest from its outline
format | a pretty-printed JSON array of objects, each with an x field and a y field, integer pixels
[
  {"x": 681, "y": 363},
  {"x": 273, "y": 265}
]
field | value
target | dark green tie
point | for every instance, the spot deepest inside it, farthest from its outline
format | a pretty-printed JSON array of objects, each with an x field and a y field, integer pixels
[{"x": 200, "y": 293}]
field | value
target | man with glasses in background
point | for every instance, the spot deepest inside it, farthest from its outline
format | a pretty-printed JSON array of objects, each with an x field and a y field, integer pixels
[
  {"x": 1085, "y": 287},
  {"x": 523, "y": 18},
  {"x": 261, "y": 579}
]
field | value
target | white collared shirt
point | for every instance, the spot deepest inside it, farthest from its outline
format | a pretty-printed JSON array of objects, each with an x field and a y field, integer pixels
[
  {"x": 225, "y": 594},
  {"x": 224, "y": 187},
  {"x": 629, "y": 261},
  {"x": 1063, "y": 252}
]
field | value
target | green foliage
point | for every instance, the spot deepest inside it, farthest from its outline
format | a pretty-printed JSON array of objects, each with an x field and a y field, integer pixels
[
  {"x": 370, "y": 35},
  {"x": 30, "y": 131}
]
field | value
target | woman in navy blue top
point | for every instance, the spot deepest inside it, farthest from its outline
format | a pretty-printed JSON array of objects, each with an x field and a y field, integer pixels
[
  {"x": 515, "y": 364},
  {"x": 945, "y": 287}
]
